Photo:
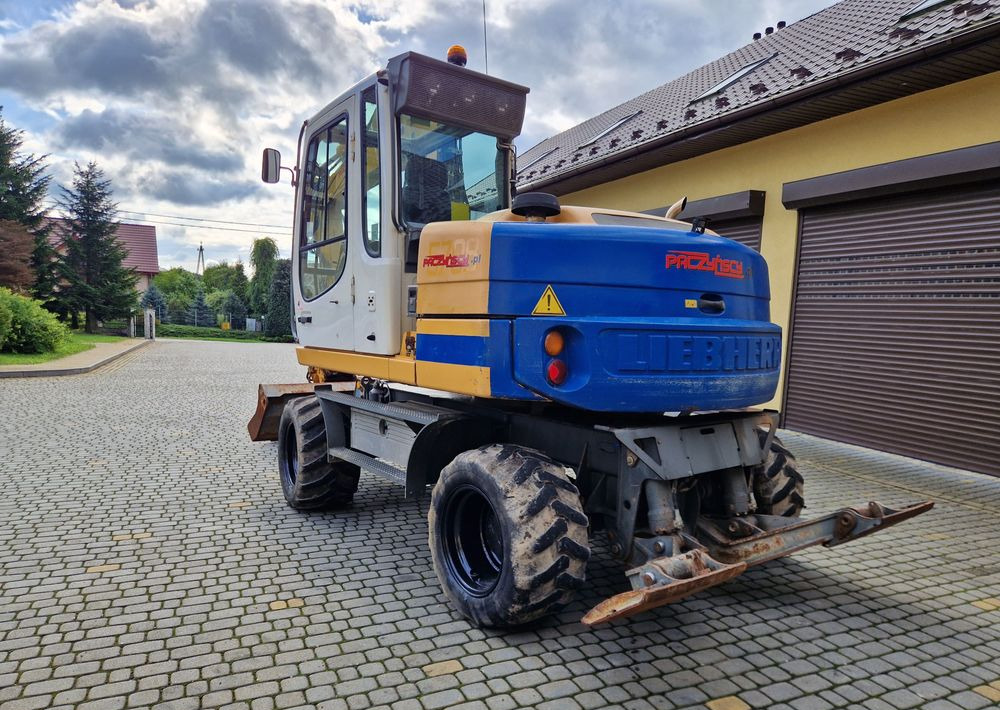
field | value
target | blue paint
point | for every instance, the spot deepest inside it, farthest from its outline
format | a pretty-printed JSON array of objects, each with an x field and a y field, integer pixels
[
  {"x": 652, "y": 365},
  {"x": 605, "y": 270},
  {"x": 453, "y": 349},
  {"x": 633, "y": 341}
]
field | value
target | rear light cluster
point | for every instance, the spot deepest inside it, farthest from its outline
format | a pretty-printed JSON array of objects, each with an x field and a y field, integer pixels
[{"x": 556, "y": 371}]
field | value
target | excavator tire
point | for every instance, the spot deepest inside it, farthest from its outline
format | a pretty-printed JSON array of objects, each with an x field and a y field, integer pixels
[
  {"x": 777, "y": 484},
  {"x": 308, "y": 480},
  {"x": 508, "y": 535}
]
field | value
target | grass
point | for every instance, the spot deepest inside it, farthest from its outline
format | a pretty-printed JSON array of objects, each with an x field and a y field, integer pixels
[{"x": 76, "y": 343}]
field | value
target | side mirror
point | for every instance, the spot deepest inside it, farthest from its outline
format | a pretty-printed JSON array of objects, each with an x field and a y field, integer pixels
[{"x": 270, "y": 169}]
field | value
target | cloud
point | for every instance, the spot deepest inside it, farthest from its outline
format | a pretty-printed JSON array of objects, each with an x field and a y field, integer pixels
[{"x": 144, "y": 138}]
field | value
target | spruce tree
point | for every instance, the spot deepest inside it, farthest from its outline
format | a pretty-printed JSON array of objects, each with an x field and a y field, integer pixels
[
  {"x": 154, "y": 299},
  {"x": 200, "y": 313},
  {"x": 96, "y": 281},
  {"x": 23, "y": 187},
  {"x": 235, "y": 311}
]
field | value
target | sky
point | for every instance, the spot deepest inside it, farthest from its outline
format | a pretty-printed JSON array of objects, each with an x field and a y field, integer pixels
[{"x": 175, "y": 99}]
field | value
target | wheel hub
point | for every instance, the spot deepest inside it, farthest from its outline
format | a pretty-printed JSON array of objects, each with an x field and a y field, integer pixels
[
  {"x": 290, "y": 460},
  {"x": 473, "y": 537}
]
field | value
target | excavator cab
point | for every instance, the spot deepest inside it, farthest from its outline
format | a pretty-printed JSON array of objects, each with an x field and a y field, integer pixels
[{"x": 420, "y": 141}]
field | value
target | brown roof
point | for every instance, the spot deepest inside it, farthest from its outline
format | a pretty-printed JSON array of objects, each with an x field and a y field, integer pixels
[
  {"x": 821, "y": 53},
  {"x": 139, "y": 241}
]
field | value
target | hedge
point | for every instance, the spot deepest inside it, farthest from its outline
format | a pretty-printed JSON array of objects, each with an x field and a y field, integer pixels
[
  {"x": 171, "y": 330},
  {"x": 26, "y": 327}
]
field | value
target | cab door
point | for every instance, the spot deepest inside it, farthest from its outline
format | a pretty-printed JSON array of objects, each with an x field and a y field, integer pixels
[
  {"x": 378, "y": 270},
  {"x": 323, "y": 291}
]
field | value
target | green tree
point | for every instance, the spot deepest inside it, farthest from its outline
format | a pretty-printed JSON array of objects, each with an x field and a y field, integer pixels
[
  {"x": 23, "y": 187},
  {"x": 215, "y": 299},
  {"x": 235, "y": 311},
  {"x": 177, "y": 308},
  {"x": 154, "y": 299},
  {"x": 177, "y": 282},
  {"x": 97, "y": 282},
  {"x": 199, "y": 312},
  {"x": 217, "y": 277},
  {"x": 263, "y": 258},
  {"x": 277, "y": 321},
  {"x": 240, "y": 285}
]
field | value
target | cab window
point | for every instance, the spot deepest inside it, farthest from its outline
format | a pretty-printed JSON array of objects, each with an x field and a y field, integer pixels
[
  {"x": 323, "y": 241},
  {"x": 448, "y": 172},
  {"x": 370, "y": 170}
]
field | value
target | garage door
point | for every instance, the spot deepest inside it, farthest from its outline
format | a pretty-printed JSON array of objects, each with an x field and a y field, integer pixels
[
  {"x": 896, "y": 326},
  {"x": 745, "y": 231}
]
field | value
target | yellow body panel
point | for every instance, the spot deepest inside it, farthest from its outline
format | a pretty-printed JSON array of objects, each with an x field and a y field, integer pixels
[
  {"x": 463, "y": 379},
  {"x": 955, "y": 116},
  {"x": 453, "y": 268},
  {"x": 453, "y": 326},
  {"x": 396, "y": 368}
]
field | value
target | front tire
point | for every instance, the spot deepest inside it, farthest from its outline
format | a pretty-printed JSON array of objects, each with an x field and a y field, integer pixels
[
  {"x": 508, "y": 535},
  {"x": 308, "y": 480}
]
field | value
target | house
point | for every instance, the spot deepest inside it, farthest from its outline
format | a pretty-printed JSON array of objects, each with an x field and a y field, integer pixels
[
  {"x": 859, "y": 150},
  {"x": 139, "y": 241}
]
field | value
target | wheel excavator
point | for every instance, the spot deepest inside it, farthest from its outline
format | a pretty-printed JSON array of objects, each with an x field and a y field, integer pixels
[{"x": 555, "y": 374}]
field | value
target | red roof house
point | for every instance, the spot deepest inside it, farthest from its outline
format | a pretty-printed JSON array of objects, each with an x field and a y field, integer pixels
[{"x": 139, "y": 241}]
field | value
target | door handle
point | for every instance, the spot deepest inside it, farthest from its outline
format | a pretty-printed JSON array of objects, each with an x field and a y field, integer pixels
[
  {"x": 335, "y": 301},
  {"x": 305, "y": 319}
]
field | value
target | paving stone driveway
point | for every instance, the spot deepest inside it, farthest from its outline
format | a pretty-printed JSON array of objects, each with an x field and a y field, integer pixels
[{"x": 148, "y": 559}]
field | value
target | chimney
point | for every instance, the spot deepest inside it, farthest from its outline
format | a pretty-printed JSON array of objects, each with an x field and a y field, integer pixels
[
  {"x": 781, "y": 25},
  {"x": 768, "y": 30},
  {"x": 756, "y": 36}
]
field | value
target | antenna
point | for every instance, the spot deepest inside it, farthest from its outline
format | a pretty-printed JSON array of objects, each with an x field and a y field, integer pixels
[
  {"x": 199, "y": 268},
  {"x": 486, "y": 46}
]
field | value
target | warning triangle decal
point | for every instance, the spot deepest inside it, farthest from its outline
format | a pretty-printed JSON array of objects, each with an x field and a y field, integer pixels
[{"x": 548, "y": 304}]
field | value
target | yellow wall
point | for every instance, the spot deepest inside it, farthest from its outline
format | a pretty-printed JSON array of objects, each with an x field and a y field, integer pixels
[{"x": 955, "y": 116}]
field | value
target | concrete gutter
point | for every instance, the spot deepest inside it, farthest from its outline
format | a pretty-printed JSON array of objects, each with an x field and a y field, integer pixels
[{"x": 77, "y": 364}]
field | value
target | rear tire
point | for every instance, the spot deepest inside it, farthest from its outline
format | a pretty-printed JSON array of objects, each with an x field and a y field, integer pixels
[
  {"x": 308, "y": 480},
  {"x": 508, "y": 535},
  {"x": 777, "y": 484}
]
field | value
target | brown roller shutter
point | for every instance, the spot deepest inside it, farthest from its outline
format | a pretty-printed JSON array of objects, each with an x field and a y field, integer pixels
[
  {"x": 745, "y": 231},
  {"x": 895, "y": 340}
]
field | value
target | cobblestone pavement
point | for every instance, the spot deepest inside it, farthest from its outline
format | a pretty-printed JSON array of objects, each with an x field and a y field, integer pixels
[{"x": 148, "y": 559}]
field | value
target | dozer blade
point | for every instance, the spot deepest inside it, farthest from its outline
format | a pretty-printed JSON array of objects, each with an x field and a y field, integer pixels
[
  {"x": 681, "y": 576},
  {"x": 728, "y": 547},
  {"x": 271, "y": 400}
]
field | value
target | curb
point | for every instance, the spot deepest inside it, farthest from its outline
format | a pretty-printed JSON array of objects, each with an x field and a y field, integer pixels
[{"x": 73, "y": 370}]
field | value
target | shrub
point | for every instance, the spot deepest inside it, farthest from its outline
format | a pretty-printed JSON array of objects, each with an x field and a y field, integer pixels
[
  {"x": 6, "y": 316},
  {"x": 32, "y": 329},
  {"x": 169, "y": 330}
]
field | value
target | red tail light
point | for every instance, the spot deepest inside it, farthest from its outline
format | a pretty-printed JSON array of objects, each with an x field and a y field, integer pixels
[{"x": 556, "y": 372}]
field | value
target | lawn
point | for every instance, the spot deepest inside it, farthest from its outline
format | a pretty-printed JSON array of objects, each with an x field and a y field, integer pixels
[{"x": 77, "y": 343}]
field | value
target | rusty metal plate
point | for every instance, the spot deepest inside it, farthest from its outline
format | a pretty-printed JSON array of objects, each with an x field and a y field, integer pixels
[{"x": 271, "y": 400}]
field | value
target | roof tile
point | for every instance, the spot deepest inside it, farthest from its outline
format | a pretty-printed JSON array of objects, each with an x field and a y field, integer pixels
[{"x": 139, "y": 241}]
